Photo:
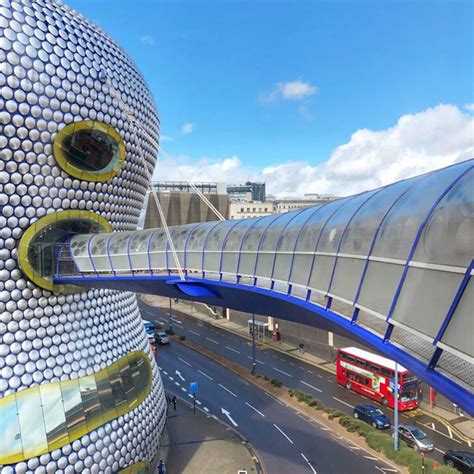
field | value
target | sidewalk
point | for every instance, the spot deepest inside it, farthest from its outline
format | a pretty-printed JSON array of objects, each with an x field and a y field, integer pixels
[
  {"x": 462, "y": 426},
  {"x": 201, "y": 444}
]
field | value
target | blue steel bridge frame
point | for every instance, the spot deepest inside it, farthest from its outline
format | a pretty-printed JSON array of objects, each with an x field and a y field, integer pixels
[{"x": 251, "y": 299}]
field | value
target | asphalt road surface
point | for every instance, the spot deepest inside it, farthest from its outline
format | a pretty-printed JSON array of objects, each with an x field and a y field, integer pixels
[
  {"x": 286, "y": 441},
  {"x": 294, "y": 373}
]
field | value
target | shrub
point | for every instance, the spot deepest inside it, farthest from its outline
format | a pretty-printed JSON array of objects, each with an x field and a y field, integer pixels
[
  {"x": 182, "y": 338},
  {"x": 291, "y": 393},
  {"x": 276, "y": 383},
  {"x": 316, "y": 404}
]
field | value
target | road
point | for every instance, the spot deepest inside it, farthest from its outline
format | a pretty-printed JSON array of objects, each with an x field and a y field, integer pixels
[
  {"x": 285, "y": 440},
  {"x": 293, "y": 372}
]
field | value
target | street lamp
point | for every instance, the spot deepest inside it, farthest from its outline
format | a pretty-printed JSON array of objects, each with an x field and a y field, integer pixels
[
  {"x": 395, "y": 408},
  {"x": 170, "y": 320},
  {"x": 254, "y": 363}
]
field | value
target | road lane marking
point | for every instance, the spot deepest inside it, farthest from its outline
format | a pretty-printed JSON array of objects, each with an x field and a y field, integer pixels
[
  {"x": 439, "y": 432},
  {"x": 256, "y": 360},
  {"x": 178, "y": 373},
  {"x": 440, "y": 451},
  {"x": 190, "y": 395},
  {"x": 232, "y": 349},
  {"x": 171, "y": 378},
  {"x": 225, "y": 388},
  {"x": 205, "y": 409},
  {"x": 227, "y": 414},
  {"x": 254, "y": 409},
  {"x": 177, "y": 384},
  {"x": 199, "y": 402},
  {"x": 320, "y": 376},
  {"x": 212, "y": 340},
  {"x": 371, "y": 458},
  {"x": 308, "y": 463},
  {"x": 449, "y": 431},
  {"x": 311, "y": 386},
  {"x": 184, "y": 361},
  {"x": 164, "y": 371},
  {"x": 275, "y": 399},
  {"x": 283, "y": 433},
  {"x": 205, "y": 375},
  {"x": 193, "y": 332},
  {"x": 183, "y": 389},
  {"x": 281, "y": 371},
  {"x": 343, "y": 402}
]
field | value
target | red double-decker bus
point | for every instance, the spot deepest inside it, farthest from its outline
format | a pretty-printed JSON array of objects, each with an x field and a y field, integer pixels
[{"x": 374, "y": 376}]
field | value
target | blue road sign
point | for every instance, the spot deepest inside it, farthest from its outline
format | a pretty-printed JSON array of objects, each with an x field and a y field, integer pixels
[{"x": 194, "y": 387}]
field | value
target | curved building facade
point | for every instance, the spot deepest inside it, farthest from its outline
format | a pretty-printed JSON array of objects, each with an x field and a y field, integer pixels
[
  {"x": 79, "y": 390},
  {"x": 392, "y": 266}
]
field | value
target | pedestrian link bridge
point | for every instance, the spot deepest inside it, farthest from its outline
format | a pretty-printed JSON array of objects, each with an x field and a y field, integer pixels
[{"x": 391, "y": 267}]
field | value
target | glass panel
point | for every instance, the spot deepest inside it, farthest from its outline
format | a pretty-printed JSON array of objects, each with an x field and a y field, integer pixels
[
  {"x": 213, "y": 246},
  {"x": 118, "y": 392},
  {"x": 459, "y": 332},
  {"x": 138, "y": 249},
  {"x": 179, "y": 236},
  {"x": 347, "y": 277},
  {"x": 380, "y": 284},
  {"x": 290, "y": 234},
  {"x": 128, "y": 383},
  {"x": 118, "y": 249},
  {"x": 75, "y": 419},
  {"x": 425, "y": 298},
  {"x": 54, "y": 417},
  {"x": 397, "y": 234},
  {"x": 11, "y": 449},
  {"x": 332, "y": 233},
  {"x": 80, "y": 253},
  {"x": 452, "y": 221},
  {"x": 282, "y": 267},
  {"x": 90, "y": 402},
  {"x": 139, "y": 373},
  {"x": 106, "y": 398},
  {"x": 30, "y": 416},
  {"x": 98, "y": 250},
  {"x": 157, "y": 247},
  {"x": 359, "y": 235},
  {"x": 322, "y": 271},
  {"x": 195, "y": 244},
  {"x": 230, "y": 254}
]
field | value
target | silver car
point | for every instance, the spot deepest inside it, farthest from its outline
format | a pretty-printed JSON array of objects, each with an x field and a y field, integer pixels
[
  {"x": 415, "y": 438},
  {"x": 162, "y": 338}
]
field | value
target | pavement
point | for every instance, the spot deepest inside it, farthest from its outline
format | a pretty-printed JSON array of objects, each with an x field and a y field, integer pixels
[
  {"x": 452, "y": 430},
  {"x": 194, "y": 443}
]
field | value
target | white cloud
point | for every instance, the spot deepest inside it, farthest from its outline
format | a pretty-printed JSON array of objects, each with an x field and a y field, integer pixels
[
  {"x": 295, "y": 90},
  {"x": 469, "y": 107},
  {"x": 147, "y": 39},
  {"x": 166, "y": 138},
  {"x": 187, "y": 128},
  {"x": 416, "y": 144}
]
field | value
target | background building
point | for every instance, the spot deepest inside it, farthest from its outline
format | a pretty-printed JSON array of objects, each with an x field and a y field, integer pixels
[
  {"x": 246, "y": 192},
  {"x": 181, "y": 205},
  {"x": 244, "y": 210}
]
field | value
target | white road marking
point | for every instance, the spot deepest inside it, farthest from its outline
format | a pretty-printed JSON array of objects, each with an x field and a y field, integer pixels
[
  {"x": 199, "y": 402},
  {"x": 184, "y": 362},
  {"x": 164, "y": 371},
  {"x": 354, "y": 447},
  {"x": 176, "y": 320},
  {"x": 226, "y": 389},
  {"x": 320, "y": 376},
  {"x": 254, "y": 409},
  {"x": 160, "y": 321},
  {"x": 183, "y": 389},
  {"x": 256, "y": 360},
  {"x": 371, "y": 458},
  {"x": 343, "y": 402},
  {"x": 205, "y": 375},
  {"x": 171, "y": 378},
  {"x": 227, "y": 414},
  {"x": 308, "y": 463},
  {"x": 159, "y": 367},
  {"x": 178, "y": 373},
  {"x": 439, "y": 451},
  {"x": 281, "y": 371},
  {"x": 193, "y": 332},
  {"x": 385, "y": 469},
  {"x": 212, "y": 340},
  {"x": 311, "y": 386},
  {"x": 190, "y": 395},
  {"x": 449, "y": 431},
  {"x": 283, "y": 433},
  {"x": 205, "y": 409},
  {"x": 275, "y": 399},
  {"x": 177, "y": 384},
  {"x": 440, "y": 432},
  {"x": 232, "y": 349},
  {"x": 309, "y": 371}
]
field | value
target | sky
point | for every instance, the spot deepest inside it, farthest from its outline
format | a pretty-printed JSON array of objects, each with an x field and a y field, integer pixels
[{"x": 309, "y": 96}]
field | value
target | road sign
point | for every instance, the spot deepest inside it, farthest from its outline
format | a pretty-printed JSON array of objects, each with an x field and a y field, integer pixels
[{"x": 194, "y": 388}]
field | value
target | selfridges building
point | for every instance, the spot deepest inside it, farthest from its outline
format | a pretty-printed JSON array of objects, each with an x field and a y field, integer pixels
[{"x": 79, "y": 389}]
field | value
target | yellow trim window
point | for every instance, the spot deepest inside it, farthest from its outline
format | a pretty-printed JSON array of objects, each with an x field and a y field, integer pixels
[
  {"x": 48, "y": 416},
  {"x": 42, "y": 241},
  {"x": 89, "y": 150}
]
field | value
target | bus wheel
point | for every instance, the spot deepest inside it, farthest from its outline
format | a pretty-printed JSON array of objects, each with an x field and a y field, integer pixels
[
  {"x": 348, "y": 385},
  {"x": 384, "y": 402}
]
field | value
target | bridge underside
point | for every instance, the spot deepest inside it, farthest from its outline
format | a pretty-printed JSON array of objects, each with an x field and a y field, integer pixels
[{"x": 252, "y": 299}]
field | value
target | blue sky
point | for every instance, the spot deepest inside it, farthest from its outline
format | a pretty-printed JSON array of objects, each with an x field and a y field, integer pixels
[{"x": 269, "y": 83}]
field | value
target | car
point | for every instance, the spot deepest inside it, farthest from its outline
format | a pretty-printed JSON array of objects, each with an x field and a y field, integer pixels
[
  {"x": 463, "y": 461},
  {"x": 162, "y": 338},
  {"x": 372, "y": 415},
  {"x": 415, "y": 438}
]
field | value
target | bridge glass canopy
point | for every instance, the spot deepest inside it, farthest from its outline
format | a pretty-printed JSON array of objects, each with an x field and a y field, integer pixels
[{"x": 396, "y": 260}]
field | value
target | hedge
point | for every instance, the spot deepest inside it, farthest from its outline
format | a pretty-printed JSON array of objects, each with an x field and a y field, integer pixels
[{"x": 376, "y": 440}]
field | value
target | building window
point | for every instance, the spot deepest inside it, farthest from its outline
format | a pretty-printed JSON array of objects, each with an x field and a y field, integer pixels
[
  {"x": 266, "y": 209},
  {"x": 241, "y": 209}
]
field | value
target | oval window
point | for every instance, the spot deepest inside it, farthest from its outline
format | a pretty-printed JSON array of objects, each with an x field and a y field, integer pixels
[{"x": 89, "y": 150}]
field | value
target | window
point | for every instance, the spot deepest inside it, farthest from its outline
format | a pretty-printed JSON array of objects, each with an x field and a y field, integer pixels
[
  {"x": 241, "y": 209},
  {"x": 266, "y": 209},
  {"x": 388, "y": 373},
  {"x": 89, "y": 150},
  {"x": 253, "y": 210}
]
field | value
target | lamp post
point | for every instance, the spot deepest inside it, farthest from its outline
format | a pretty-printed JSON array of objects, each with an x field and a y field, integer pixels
[
  {"x": 253, "y": 345},
  {"x": 170, "y": 320},
  {"x": 395, "y": 409}
]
